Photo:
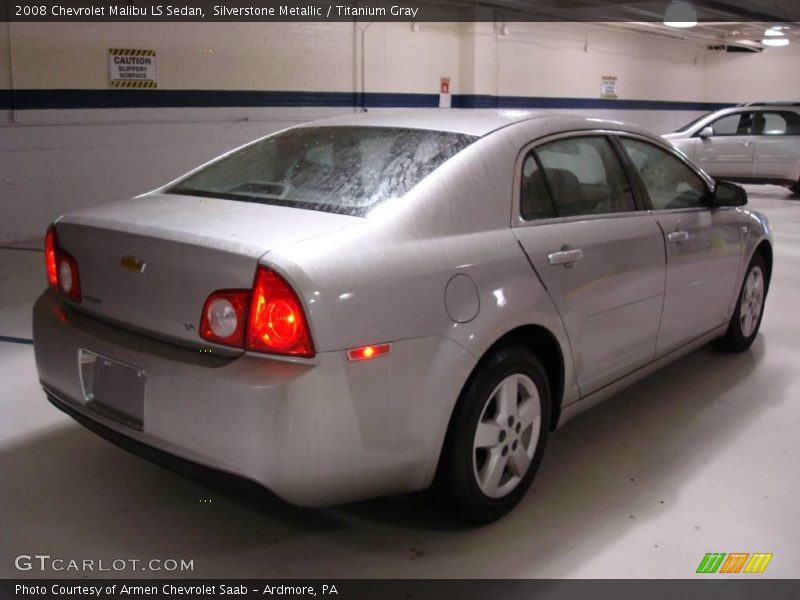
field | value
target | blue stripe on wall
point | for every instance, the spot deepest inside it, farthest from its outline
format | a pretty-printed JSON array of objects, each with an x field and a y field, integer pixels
[
  {"x": 481, "y": 101},
  {"x": 53, "y": 99},
  {"x": 50, "y": 99}
]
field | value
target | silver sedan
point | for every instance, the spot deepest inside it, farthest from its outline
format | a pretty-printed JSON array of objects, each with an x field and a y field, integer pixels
[{"x": 394, "y": 302}]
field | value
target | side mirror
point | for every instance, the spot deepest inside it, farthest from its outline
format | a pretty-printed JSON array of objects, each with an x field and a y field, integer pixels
[
  {"x": 706, "y": 132},
  {"x": 727, "y": 193}
]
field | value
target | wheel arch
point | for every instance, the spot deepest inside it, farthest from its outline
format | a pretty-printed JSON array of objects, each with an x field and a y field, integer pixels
[
  {"x": 764, "y": 249},
  {"x": 545, "y": 345}
]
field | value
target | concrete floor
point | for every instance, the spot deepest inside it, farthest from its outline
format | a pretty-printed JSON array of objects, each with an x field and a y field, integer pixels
[{"x": 700, "y": 457}]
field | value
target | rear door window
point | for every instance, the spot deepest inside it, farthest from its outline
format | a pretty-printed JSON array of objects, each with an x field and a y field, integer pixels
[
  {"x": 573, "y": 177},
  {"x": 777, "y": 123},
  {"x": 536, "y": 202}
]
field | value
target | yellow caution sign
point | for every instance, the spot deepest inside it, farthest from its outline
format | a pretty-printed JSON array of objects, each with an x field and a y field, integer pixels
[{"x": 132, "y": 68}]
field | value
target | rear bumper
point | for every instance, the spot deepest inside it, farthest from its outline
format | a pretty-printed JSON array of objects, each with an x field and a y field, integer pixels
[
  {"x": 155, "y": 455},
  {"x": 314, "y": 432}
]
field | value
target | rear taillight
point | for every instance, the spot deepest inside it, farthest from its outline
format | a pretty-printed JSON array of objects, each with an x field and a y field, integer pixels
[
  {"x": 277, "y": 322},
  {"x": 268, "y": 318},
  {"x": 50, "y": 257},
  {"x": 62, "y": 269},
  {"x": 225, "y": 317}
]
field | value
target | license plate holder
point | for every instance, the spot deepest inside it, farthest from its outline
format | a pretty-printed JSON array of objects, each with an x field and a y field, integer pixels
[{"x": 113, "y": 388}]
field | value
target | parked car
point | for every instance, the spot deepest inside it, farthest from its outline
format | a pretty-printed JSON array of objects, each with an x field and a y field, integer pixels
[
  {"x": 751, "y": 143},
  {"x": 393, "y": 302}
]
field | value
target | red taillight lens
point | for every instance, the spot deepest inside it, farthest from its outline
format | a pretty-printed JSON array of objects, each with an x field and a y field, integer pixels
[
  {"x": 62, "y": 269},
  {"x": 50, "y": 256},
  {"x": 268, "y": 318},
  {"x": 225, "y": 317},
  {"x": 277, "y": 322}
]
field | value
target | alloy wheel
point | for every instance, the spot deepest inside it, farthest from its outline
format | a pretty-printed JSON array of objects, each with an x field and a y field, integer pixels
[
  {"x": 506, "y": 436},
  {"x": 752, "y": 301}
]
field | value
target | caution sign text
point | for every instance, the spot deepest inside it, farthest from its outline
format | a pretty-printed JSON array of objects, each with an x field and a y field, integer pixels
[{"x": 132, "y": 68}]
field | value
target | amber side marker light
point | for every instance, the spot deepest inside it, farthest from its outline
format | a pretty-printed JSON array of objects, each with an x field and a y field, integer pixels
[{"x": 368, "y": 352}]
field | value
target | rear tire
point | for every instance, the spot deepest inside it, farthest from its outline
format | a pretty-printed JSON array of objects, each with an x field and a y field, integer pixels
[
  {"x": 496, "y": 438},
  {"x": 746, "y": 320}
]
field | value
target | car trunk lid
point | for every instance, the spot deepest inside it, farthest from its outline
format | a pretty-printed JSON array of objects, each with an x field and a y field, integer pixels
[{"x": 149, "y": 263}]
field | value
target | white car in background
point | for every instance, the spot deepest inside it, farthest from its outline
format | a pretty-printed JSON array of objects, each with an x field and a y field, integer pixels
[{"x": 750, "y": 143}]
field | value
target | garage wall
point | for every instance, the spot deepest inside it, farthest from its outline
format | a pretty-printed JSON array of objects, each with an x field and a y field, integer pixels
[
  {"x": 541, "y": 59},
  {"x": 55, "y": 159},
  {"x": 765, "y": 76},
  {"x": 239, "y": 56},
  {"x": 568, "y": 61}
]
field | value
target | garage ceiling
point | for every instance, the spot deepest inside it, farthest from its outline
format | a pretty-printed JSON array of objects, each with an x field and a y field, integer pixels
[
  {"x": 653, "y": 10},
  {"x": 724, "y": 24},
  {"x": 717, "y": 35}
]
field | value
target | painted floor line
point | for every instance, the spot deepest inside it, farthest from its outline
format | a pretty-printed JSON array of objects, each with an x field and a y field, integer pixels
[
  {"x": 16, "y": 340},
  {"x": 23, "y": 248}
]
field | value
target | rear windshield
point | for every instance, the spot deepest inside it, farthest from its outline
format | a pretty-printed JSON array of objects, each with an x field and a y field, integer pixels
[{"x": 334, "y": 169}]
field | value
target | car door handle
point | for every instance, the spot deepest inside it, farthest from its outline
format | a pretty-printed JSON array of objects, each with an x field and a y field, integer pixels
[
  {"x": 745, "y": 142},
  {"x": 678, "y": 236},
  {"x": 565, "y": 257}
]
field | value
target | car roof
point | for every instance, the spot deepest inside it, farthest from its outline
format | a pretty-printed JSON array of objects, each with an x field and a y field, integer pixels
[
  {"x": 755, "y": 107},
  {"x": 769, "y": 104},
  {"x": 473, "y": 121}
]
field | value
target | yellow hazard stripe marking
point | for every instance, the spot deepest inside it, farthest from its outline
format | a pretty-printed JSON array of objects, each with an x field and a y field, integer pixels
[
  {"x": 133, "y": 84},
  {"x": 129, "y": 52}
]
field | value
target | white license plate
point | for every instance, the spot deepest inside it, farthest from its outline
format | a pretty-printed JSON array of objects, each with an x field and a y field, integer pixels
[{"x": 112, "y": 388}]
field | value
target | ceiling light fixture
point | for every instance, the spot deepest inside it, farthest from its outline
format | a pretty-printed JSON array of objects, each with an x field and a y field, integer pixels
[{"x": 680, "y": 15}]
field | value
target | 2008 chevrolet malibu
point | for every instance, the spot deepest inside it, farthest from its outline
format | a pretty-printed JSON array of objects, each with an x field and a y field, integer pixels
[{"x": 392, "y": 302}]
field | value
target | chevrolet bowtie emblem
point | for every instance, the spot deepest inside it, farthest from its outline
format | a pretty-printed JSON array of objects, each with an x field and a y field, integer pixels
[{"x": 133, "y": 264}]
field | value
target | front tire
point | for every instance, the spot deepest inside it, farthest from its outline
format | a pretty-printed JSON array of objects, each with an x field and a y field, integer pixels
[
  {"x": 746, "y": 320},
  {"x": 496, "y": 438}
]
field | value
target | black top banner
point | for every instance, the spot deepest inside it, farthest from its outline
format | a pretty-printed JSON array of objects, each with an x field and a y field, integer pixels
[{"x": 770, "y": 11}]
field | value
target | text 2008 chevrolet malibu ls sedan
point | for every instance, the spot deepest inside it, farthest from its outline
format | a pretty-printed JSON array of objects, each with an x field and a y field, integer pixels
[{"x": 395, "y": 302}]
